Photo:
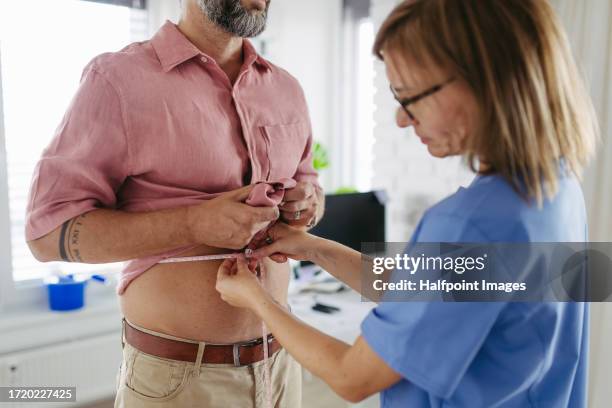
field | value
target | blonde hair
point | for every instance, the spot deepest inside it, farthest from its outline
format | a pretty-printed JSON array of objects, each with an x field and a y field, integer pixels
[{"x": 514, "y": 55}]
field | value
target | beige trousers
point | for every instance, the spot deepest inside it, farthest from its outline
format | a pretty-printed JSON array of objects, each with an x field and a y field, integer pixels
[{"x": 144, "y": 380}]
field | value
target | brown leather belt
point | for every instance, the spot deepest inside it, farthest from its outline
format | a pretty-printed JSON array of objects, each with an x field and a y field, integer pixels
[{"x": 237, "y": 354}]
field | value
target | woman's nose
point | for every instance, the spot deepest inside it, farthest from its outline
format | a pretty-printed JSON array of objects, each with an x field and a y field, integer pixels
[{"x": 404, "y": 120}]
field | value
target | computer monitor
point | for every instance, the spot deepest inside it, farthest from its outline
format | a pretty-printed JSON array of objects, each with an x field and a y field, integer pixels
[{"x": 353, "y": 218}]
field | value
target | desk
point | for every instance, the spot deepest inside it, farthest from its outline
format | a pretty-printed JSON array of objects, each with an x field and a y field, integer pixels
[{"x": 345, "y": 324}]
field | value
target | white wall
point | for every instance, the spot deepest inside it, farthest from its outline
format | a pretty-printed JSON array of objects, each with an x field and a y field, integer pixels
[
  {"x": 162, "y": 10},
  {"x": 402, "y": 165},
  {"x": 303, "y": 37}
]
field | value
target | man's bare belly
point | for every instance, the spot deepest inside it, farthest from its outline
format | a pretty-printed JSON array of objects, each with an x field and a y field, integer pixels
[{"x": 180, "y": 299}]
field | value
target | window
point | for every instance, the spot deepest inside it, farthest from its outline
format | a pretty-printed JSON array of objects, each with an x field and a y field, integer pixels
[
  {"x": 356, "y": 142},
  {"x": 41, "y": 63},
  {"x": 365, "y": 106}
]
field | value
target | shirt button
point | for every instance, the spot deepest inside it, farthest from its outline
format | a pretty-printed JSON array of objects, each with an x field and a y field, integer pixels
[{"x": 203, "y": 59}]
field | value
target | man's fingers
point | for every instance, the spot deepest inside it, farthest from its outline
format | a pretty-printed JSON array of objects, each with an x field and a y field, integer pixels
[
  {"x": 294, "y": 206},
  {"x": 291, "y": 217},
  {"x": 266, "y": 214},
  {"x": 302, "y": 192},
  {"x": 241, "y": 194}
]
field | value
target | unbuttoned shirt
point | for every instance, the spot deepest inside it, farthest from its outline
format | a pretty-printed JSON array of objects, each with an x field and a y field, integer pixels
[{"x": 159, "y": 125}]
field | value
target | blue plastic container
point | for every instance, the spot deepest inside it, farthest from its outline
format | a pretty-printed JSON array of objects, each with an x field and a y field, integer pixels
[{"x": 66, "y": 293}]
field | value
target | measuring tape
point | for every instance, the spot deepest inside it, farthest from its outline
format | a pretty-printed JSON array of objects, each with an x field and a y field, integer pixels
[
  {"x": 217, "y": 257},
  {"x": 247, "y": 253},
  {"x": 263, "y": 194}
]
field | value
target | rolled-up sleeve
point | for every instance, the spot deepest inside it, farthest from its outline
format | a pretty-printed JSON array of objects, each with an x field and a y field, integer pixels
[{"x": 86, "y": 162}]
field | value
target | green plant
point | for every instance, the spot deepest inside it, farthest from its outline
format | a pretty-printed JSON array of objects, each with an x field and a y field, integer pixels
[
  {"x": 320, "y": 158},
  {"x": 346, "y": 190}
]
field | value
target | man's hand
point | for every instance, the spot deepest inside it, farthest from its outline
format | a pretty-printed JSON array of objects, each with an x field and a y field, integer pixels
[
  {"x": 238, "y": 285},
  {"x": 227, "y": 222},
  {"x": 299, "y": 206}
]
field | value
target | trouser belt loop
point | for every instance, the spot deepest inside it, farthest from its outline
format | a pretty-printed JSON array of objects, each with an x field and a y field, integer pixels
[
  {"x": 236, "y": 352},
  {"x": 122, "y": 333},
  {"x": 198, "y": 362}
]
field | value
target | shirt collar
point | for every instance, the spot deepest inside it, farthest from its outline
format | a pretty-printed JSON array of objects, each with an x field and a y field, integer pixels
[
  {"x": 173, "y": 48},
  {"x": 251, "y": 56}
]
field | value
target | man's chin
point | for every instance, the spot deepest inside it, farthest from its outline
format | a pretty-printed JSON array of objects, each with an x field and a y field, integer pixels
[{"x": 253, "y": 34}]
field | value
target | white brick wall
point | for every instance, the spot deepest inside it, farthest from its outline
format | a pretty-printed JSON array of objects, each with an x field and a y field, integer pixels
[{"x": 413, "y": 179}]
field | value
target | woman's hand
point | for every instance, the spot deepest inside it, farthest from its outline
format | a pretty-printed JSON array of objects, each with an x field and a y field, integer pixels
[
  {"x": 287, "y": 242},
  {"x": 237, "y": 285}
]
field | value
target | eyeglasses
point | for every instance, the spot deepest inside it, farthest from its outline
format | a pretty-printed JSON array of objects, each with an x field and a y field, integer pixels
[{"x": 414, "y": 99}]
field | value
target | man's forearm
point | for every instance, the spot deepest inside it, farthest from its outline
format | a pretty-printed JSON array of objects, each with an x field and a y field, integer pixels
[{"x": 102, "y": 236}]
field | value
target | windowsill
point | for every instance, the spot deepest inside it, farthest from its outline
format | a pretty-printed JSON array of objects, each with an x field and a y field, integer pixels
[
  {"x": 34, "y": 325},
  {"x": 13, "y": 319}
]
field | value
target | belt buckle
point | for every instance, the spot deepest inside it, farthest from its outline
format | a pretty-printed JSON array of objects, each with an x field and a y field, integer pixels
[{"x": 249, "y": 343}]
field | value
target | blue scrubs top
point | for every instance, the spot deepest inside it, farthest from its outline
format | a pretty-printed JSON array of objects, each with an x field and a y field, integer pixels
[{"x": 488, "y": 354}]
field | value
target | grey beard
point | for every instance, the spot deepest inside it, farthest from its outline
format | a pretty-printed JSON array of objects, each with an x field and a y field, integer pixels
[{"x": 233, "y": 18}]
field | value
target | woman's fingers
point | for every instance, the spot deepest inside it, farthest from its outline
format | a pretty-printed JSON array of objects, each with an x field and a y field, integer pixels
[
  {"x": 226, "y": 267},
  {"x": 252, "y": 263},
  {"x": 243, "y": 267},
  {"x": 267, "y": 250},
  {"x": 279, "y": 258}
]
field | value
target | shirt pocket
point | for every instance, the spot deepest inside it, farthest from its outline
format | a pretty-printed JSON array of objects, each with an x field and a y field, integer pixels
[{"x": 285, "y": 145}]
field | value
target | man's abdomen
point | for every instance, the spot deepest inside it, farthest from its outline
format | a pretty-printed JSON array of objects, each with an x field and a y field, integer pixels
[{"x": 181, "y": 300}]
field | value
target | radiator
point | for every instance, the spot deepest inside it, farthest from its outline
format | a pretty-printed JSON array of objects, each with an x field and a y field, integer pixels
[{"x": 90, "y": 365}]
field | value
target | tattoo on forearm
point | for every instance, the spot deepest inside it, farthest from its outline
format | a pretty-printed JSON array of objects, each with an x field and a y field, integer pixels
[
  {"x": 62, "y": 238},
  {"x": 69, "y": 240}
]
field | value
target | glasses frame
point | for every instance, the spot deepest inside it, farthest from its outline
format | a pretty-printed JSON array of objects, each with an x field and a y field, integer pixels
[{"x": 405, "y": 102}]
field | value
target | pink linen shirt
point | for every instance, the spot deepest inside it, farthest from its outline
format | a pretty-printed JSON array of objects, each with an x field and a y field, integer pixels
[{"x": 159, "y": 125}]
